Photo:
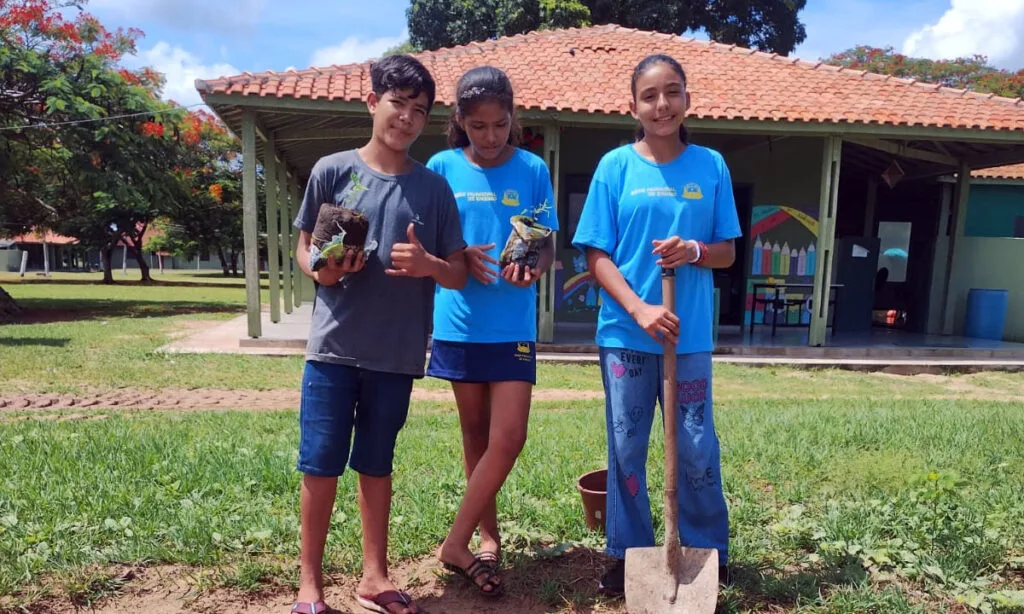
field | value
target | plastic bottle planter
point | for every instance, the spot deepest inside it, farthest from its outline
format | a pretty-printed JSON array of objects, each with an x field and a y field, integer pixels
[{"x": 524, "y": 243}]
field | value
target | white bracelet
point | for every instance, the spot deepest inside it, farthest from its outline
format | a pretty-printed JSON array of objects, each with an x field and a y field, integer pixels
[{"x": 697, "y": 258}]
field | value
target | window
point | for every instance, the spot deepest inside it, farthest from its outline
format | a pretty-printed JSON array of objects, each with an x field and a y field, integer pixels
[
  {"x": 895, "y": 249},
  {"x": 1018, "y": 227}
]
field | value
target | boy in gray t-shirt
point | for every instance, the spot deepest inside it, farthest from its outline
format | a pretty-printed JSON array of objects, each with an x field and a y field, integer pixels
[{"x": 378, "y": 230}]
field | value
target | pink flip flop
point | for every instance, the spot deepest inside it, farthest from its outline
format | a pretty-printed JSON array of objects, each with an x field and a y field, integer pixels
[
  {"x": 381, "y": 602},
  {"x": 309, "y": 607}
]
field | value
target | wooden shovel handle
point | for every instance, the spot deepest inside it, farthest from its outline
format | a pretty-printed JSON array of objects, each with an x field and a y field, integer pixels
[{"x": 670, "y": 410}]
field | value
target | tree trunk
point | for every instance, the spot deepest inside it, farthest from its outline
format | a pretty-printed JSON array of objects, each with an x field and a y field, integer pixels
[
  {"x": 105, "y": 256},
  {"x": 9, "y": 308},
  {"x": 140, "y": 258},
  {"x": 234, "y": 263},
  {"x": 223, "y": 261}
]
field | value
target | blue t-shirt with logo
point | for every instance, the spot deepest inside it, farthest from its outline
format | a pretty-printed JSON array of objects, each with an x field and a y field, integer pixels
[
  {"x": 488, "y": 198},
  {"x": 633, "y": 201}
]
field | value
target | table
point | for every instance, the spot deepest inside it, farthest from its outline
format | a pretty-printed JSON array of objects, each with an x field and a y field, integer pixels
[{"x": 778, "y": 302}]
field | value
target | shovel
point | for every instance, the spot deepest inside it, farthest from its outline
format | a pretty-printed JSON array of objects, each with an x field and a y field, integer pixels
[{"x": 674, "y": 579}]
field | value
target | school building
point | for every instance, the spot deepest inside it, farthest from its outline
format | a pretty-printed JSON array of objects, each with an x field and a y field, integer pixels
[
  {"x": 870, "y": 204},
  {"x": 51, "y": 252}
]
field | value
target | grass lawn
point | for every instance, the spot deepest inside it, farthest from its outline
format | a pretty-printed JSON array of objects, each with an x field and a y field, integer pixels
[{"x": 847, "y": 492}]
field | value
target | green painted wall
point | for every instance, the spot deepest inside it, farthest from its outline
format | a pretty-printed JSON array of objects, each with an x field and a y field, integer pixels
[
  {"x": 992, "y": 210},
  {"x": 786, "y": 173},
  {"x": 973, "y": 269}
]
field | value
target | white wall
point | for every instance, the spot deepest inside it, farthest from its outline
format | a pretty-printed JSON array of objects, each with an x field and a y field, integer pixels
[{"x": 10, "y": 259}]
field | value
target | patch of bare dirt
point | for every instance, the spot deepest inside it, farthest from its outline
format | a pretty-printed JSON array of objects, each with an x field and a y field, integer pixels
[
  {"x": 949, "y": 386},
  {"x": 563, "y": 584},
  {"x": 184, "y": 328},
  {"x": 211, "y": 398}
]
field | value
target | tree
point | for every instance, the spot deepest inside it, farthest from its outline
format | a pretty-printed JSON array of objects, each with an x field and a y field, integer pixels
[
  {"x": 972, "y": 72},
  {"x": 88, "y": 148},
  {"x": 769, "y": 25},
  {"x": 209, "y": 219},
  {"x": 73, "y": 157}
]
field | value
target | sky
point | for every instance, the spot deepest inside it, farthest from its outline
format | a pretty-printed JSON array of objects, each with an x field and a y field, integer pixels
[{"x": 190, "y": 39}]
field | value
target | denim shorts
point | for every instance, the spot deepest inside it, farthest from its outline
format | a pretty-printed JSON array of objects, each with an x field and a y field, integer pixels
[
  {"x": 480, "y": 363},
  {"x": 339, "y": 399}
]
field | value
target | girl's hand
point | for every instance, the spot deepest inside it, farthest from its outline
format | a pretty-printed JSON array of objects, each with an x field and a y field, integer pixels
[
  {"x": 660, "y": 323},
  {"x": 511, "y": 274},
  {"x": 675, "y": 252},
  {"x": 477, "y": 259}
]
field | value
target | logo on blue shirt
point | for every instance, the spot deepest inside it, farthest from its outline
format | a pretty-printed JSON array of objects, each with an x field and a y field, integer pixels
[
  {"x": 692, "y": 191},
  {"x": 510, "y": 198}
]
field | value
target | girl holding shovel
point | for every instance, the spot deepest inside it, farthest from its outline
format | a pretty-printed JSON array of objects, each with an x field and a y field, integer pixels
[
  {"x": 484, "y": 334},
  {"x": 660, "y": 202}
]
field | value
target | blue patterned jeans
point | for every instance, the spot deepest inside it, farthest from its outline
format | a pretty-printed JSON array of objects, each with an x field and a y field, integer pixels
[{"x": 632, "y": 383}]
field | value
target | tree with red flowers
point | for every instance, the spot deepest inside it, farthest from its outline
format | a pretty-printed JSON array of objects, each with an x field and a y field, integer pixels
[
  {"x": 209, "y": 220},
  {"x": 87, "y": 148},
  {"x": 972, "y": 73}
]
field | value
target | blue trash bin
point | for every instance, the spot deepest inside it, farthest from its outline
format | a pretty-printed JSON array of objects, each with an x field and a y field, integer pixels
[{"x": 986, "y": 313}]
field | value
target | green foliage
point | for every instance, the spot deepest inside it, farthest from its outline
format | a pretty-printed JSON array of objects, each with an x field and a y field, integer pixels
[
  {"x": 770, "y": 25},
  {"x": 87, "y": 148}
]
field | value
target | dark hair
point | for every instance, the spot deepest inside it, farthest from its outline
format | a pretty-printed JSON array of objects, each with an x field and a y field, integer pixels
[
  {"x": 481, "y": 84},
  {"x": 396, "y": 73},
  {"x": 641, "y": 68}
]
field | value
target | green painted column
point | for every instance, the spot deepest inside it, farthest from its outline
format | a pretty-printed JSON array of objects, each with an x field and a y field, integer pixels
[
  {"x": 961, "y": 194},
  {"x": 250, "y": 213},
  {"x": 830, "y": 164},
  {"x": 305, "y": 282},
  {"x": 286, "y": 237},
  {"x": 297, "y": 274},
  {"x": 273, "y": 265},
  {"x": 546, "y": 308}
]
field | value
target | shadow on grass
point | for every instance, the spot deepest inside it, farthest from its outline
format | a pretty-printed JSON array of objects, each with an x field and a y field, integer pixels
[
  {"x": 45, "y": 311},
  {"x": 534, "y": 584},
  {"x": 755, "y": 589},
  {"x": 540, "y": 584},
  {"x": 27, "y": 341}
]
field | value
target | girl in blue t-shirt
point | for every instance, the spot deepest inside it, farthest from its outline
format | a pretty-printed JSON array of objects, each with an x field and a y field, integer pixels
[
  {"x": 658, "y": 202},
  {"x": 484, "y": 335}
]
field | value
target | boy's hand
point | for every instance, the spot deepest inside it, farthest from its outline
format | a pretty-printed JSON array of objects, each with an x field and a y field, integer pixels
[
  {"x": 410, "y": 259},
  {"x": 477, "y": 259},
  {"x": 335, "y": 269},
  {"x": 511, "y": 274},
  {"x": 675, "y": 252},
  {"x": 660, "y": 323}
]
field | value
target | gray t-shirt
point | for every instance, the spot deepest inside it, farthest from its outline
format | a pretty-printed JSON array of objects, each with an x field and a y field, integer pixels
[{"x": 369, "y": 319}]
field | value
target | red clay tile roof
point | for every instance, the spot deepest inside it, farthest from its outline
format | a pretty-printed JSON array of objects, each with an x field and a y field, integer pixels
[
  {"x": 588, "y": 70},
  {"x": 1013, "y": 171},
  {"x": 51, "y": 237}
]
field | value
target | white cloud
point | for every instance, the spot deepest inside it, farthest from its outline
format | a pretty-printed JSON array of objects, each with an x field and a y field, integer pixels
[
  {"x": 994, "y": 28},
  {"x": 180, "y": 69},
  {"x": 354, "y": 49}
]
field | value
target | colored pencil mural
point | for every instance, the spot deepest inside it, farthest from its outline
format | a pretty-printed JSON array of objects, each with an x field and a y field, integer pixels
[{"x": 782, "y": 250}]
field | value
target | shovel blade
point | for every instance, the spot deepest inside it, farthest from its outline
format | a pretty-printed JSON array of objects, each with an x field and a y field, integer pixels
[{"x": 651, "y": 584}]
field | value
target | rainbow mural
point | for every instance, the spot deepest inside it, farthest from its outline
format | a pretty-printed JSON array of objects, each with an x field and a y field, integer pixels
[{"x": 579, "y": 297}]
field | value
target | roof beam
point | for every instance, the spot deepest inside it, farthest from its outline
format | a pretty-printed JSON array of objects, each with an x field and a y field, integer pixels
[
  {"x": 997, "y": 158},
  {"x": 342, "y": 108},
  {"x": 330, "y": 134},
  {"x": 323, "y": 134},
  {"x": 902, "y": 150}
]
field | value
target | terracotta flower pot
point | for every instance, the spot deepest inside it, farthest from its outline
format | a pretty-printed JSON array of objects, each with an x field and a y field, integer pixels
[{"x": 593, "y": 488}]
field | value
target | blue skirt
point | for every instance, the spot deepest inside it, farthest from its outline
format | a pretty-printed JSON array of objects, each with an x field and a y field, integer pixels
[{"x": 479, "y": 363}]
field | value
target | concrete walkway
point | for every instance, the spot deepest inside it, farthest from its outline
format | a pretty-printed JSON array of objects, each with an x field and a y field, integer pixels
[{"x": 288, "y": 338}]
